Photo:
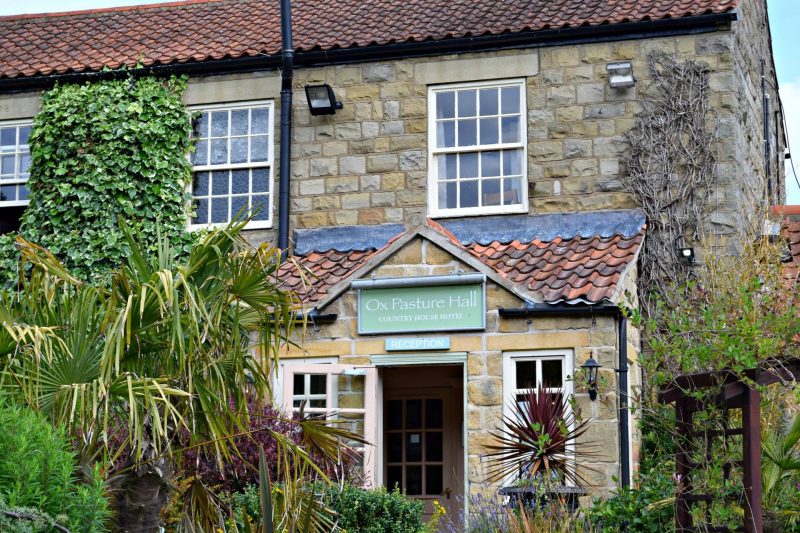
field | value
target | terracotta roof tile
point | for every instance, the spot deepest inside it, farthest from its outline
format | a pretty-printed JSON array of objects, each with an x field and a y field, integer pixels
[
  {"x": 201, "y": 30},
  {"x": 578, "y": 269},
  {"x": 310, "y": 276}
]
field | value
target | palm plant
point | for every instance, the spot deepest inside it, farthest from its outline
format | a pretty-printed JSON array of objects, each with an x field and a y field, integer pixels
[
  {"x": 781, "y": 466},
  {"x": 533, "y": 442},
  {"x": 167, "y": 347}
]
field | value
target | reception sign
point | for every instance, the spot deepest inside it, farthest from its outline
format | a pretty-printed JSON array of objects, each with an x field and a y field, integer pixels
[{"x": 436, "y": 303}]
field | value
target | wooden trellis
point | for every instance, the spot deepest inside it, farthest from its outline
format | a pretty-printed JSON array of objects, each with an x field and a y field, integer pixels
[{"x": 726, "y": 391}]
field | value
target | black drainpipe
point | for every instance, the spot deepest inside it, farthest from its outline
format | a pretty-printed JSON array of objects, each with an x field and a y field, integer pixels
[
  {"x": 287, "y": 66},
  {"x": 622, "y": 392}
]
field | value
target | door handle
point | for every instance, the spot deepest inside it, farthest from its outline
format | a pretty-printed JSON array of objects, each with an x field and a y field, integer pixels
[{"x": 447, "y": 492}]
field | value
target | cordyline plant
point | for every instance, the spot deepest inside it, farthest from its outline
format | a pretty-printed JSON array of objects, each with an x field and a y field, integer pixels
[
  {"x": 533, "y": 442},
  {"x": 168, "y": 347}
]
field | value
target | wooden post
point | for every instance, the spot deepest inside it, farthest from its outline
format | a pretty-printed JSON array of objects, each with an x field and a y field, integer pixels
[
  {"x": 751, "y": 424},
  {"x": 683, "y": 416}
]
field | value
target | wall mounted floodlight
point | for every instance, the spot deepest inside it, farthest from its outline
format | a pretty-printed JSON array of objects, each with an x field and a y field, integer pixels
[
  {"x": 684, "y": 251},
  {"x": 321, "y": 100},
  {"x": 620, "y": 75},
  {"x": 590, "y": 368}
]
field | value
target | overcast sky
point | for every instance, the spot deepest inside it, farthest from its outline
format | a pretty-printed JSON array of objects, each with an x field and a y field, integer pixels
[{"x": 784, "y": 19}]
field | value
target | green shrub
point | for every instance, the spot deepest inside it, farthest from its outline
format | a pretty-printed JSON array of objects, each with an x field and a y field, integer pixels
[
  {"x": 648, "y": 507},
  {"x": 375, "y": 511},
  {"x": 38, "y": 471}
]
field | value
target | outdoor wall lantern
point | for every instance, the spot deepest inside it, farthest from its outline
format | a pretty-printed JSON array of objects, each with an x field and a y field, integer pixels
[
  {"x": 686, "y": 253},
  {"x": 590, "y": 368},
  {"x": 620, "y": 75},
  {"x": 321, "y": 100}
]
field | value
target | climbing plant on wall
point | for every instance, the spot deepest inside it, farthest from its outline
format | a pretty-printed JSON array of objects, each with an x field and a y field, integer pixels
[{"x": 101, "y": 152}]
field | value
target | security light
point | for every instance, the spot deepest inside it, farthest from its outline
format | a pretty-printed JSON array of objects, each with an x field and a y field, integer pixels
[
  {"x": 321, "y": 100},
  {"x": 687, "y": 254},
  {"x": 620, "y": 75},
  {"x": 590, "y": 368}
]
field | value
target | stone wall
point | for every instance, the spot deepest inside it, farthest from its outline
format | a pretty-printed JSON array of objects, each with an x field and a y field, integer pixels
[{"x": 485, "y": 360}]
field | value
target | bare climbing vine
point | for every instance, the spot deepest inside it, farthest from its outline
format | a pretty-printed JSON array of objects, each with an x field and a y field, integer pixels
[{"x": 670, "y": 167}]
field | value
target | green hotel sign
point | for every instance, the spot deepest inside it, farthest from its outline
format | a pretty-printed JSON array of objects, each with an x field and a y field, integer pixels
[{"x": 410, "y": 305}]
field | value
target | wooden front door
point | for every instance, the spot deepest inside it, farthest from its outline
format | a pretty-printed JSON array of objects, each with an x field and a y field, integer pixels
[{"x": 422, "y": 439}]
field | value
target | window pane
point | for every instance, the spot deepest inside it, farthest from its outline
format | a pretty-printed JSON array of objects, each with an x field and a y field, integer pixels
[
  {"x": 490, "y": 192},
  {"x": 526, "y": 374},
  {"x": 447, "y": 195},
  {"x": 259, "y": 120},
  {"x": 433, "y": 414},
  {"x": 24, "y": 135},
  {"x": 510, "y": 126},
  {"x": 434, "y": 446},
  {"x": 320, "y": 404},
  {"x": 239, "y": 119},
  {"x": 511, "y": 162},
  {"x": 394, "y": 447},
  {"x": 448, "y": 167},
  {"x": 469, "y": 193},
  {"x": 7, "y": 164},
  {"x": 394, "y": 478},
  {"x": 414, "y": 447},
  {"x": 201, "y": 153},
  {"x": 490, "y": 164},
  {"x": 8, "y": 193},
  {"x": 414, "y": 480},
  {"x": 201, "y": 215},
  {"x": 219, "y": 151},
  {"x": 551, "y": 373},
  {"x": 200, "y": 184},
  {"x": 445, "y": 105},
  {"x": 512, "y": 191},
  {"x": 24, "y": 163},
  {"x": 467, "y": 132},
  {"x": 240, "y": 181},
  {"x": 219, "y": 124},
  {"x": 489, "y": 131},
  {"x": 510, "y": 100},
  {"x": 239, "y": 150},
  {"x": 8, "y": 138},
  {"x": 22, "y": 192},
  {"x": 413, "y": 414},
  {"x": 433, "y": 480},
  {"x": 260, "y": 180},
  {"x": 201, "y": 127},
  {"x": 394, "y": 414},
  {"x": 318, "y": 382},
  {"x": 258, "y": 148},
  {"x": 219, "y": 183},
  {"x": 239, "y": 208},
  {"x": 488, "y": 100},
  {"x": 469, "y": 165},
  {"x": 299, "y": 386},
  {"x": 219, "y": 210},
  {"x": 467, "y": 105},
  {"x": 260, "y": 207},
  {"x": 446, "y": 134}
]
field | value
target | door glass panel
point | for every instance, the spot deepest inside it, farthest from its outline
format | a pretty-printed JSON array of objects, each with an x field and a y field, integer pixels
[
  {"x": 414, "y": 414},
  {"x": 551, "y": 373},
  {"x": 434, "y": 446},
  {"x": 433, "y": 414},
  {"x": 394, "y": 443},
  {"x": 414, "y": 480},
  {"x": 414, "y": 447},
  {"x": 433, "y": 480},
  {"x": 394, "y": 415},
  {"x": 299, "y": 383},
  {"x": 394, "y": 477},
  {"x": 526, "y": 374}
]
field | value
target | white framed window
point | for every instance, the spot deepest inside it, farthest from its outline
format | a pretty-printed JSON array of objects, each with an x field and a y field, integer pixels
[
  {"x": 304, "y": 390},
  {"x": 524, "y": 372},
  {"x": 477, "y": 143},
  {"x": 15, "y": 160},
  {"x": 233, "y": 164}
]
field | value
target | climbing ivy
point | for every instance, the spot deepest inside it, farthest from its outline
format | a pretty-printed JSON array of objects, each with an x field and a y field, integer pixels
[{"x": 103, "y": 152}]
